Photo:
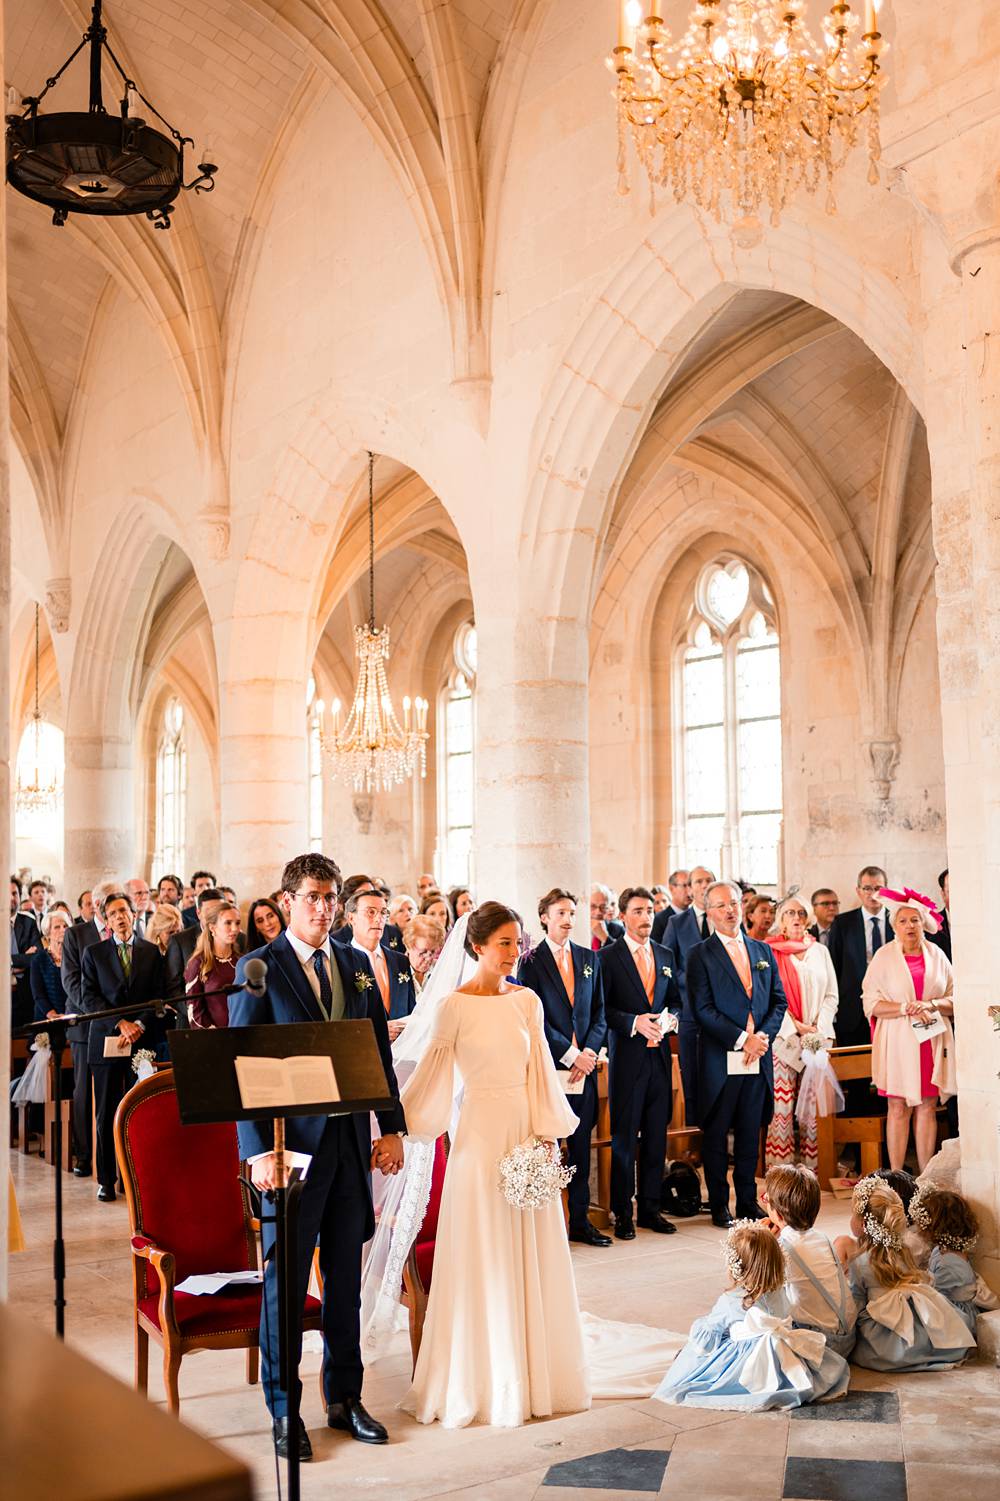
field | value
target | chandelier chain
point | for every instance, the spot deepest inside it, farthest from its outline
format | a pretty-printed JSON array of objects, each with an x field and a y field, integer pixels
[{"x": 371, "y": 541}]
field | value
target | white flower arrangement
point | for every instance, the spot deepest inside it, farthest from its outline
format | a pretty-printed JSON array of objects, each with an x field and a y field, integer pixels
[
  {"x": 730, "y": 1255},
  {"x": 42, "y": 1043},
  {"x": 876, "y": 1232},
  {"x": 530, "y": 1177},
  {"x": 761, "y": 964},
  {"x": 587, "y": 971},
  {"x": 919, "y": 1216},
  {"x": 667, "y": 972},
  {"x": 813, "y": 1042},
  {"x": 143, "y": 1062},
  {"x": 362, "y": 982}
]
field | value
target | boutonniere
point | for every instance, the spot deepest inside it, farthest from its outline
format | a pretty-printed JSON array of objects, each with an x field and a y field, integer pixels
[
  {"x": 362, "y": 982},
  {"x": 404, "y": 977},
  {"x": 587, "y": 971},
  {"x": 762, "y": 964},
  {"x": 394, "y": 943}
]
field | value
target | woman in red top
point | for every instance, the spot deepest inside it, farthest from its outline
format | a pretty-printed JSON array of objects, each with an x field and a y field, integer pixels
[{"x": 212, "y": 966}]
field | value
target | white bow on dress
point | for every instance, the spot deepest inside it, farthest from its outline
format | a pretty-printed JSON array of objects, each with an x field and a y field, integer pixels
[
  {"x": 780, "y": 1349},
  {"x": 894, "y": 1310}
]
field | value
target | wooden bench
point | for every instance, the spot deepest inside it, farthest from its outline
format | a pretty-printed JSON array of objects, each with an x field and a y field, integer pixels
[{"x": 834, "y": 1131}]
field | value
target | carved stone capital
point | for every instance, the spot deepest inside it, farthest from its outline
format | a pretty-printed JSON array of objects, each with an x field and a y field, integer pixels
[
  {"x": 885, "y": 759},
  {"x": 57, "y": 605},
  {"x": 213, "y": 534}
]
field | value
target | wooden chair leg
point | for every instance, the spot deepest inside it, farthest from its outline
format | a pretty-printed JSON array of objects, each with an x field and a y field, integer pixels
[
  {"x": 253, "y": 1364},
  {"x": 141, "y": 1358},
  {"x": 171, "y": 1372}
]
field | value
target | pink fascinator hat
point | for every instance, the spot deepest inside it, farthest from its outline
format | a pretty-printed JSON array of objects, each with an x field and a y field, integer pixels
[{"x": 929, "y": 914}]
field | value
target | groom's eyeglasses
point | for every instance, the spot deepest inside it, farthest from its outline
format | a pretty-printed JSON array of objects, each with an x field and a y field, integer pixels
[{"x": 316, "y": 899}]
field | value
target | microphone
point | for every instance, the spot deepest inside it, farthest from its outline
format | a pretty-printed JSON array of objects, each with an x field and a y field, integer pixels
[{"x": 255, "y": 978}]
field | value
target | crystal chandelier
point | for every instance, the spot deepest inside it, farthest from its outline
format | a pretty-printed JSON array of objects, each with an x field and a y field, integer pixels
[
  {"x": 746, "y": 101},
  {"x": 36, "y": 796},
  {"x": 373, "y": 750}
]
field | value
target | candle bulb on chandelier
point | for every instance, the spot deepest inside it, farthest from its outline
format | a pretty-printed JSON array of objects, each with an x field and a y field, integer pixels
[{"x": 406, "y": 713}]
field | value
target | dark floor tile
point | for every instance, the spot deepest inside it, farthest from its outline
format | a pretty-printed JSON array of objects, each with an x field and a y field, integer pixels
[
  {"x": 857, "y": 1407},
  {"x": 614, "y": 1470},
  {"x": 809, "y": 1479}
]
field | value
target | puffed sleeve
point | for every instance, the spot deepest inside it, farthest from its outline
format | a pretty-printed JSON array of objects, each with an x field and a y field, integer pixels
[
  {"x": 428, "y": 1096},
  {"x": 551, "y": 1113},
  {"x": 713, "y": 1328}
]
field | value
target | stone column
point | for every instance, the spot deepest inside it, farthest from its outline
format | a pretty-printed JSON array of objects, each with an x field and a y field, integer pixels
[
  {"x": 99, "y": 802},
  {"x": 6, "y": 839}
]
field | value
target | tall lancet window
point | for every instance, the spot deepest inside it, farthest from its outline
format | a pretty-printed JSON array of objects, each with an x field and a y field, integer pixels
[
  {"x": 728, "y": 767},
  {"x": 456, "y": 736},
  {"x": 171, "y": 791},
  {"x": 314, "y": 720}
]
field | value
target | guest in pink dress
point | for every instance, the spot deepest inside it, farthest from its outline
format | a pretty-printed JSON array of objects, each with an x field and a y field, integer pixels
[{"x": 907, "y": 996}]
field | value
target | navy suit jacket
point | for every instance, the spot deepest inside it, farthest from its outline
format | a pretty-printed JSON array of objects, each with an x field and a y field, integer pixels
[
  {"x": 850, "y": 961},
  {"x": 76, "y": 941},
  {"x": 585, "y": 1017},
  {"x": 682, "y": 934},
  {"x": 720, "y": 1006},
  {"x": 943, "y": 937},
  {"x": 289, "y": 998},
  {"x": 624, "y": 1000},
  {"x": 402, "y": 992},
  {"x": 660, "y": 921},
  {"x": 392, "y": 937},
  {"x": 103, "y": 984}
]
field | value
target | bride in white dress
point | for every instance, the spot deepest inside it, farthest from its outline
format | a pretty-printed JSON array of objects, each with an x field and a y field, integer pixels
[{"x": 503, "y": 1339}]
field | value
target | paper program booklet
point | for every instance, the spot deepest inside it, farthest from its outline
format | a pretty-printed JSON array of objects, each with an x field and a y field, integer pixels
[{"x": 275, "y": 1082}]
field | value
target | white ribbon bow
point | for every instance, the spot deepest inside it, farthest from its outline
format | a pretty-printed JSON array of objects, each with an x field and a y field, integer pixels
[
  {"x": 895, "y": 1308},
  {"x": 780, "y": 1349}
]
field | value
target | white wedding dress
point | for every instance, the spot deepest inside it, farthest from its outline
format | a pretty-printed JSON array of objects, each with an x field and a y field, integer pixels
[{"x": 504, "y": 1340}]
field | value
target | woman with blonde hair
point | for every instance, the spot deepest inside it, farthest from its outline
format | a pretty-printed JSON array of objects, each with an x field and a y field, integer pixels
[
  {"x": 907, "y": 995},
  {"x": 212, "y": 966},
  {"x": 164, "y": 923},
  {"x": 904, "y": 1323},
  {"x": 810, "y": 985},
  {"x": 46, "y": 966}
]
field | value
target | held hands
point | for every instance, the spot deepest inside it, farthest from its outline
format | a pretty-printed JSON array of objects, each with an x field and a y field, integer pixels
[
  {"x": 395, "y": 1027},
  {"x": 387, "y": 1155},
  {"x": 262, "y": 1173},
  {"x": 648, "y": 1026},
  {"x": 130, "y": 1031},
  {"x": 755, "y": 1046},
  {"x": 586, "y": 1062}
]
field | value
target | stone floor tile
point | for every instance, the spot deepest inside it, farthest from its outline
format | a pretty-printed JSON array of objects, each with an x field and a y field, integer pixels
[
  {"x": 844, "y": 1480},
  {"x": 846, "y": 1440},
  {"x": 753, "y": 1434},
  {"x": 856, "y": 1407},
  {"x": 932, "y": 1482},
  {"x": 703, "y": 1476},
  {"x": 632, "y": 1471}
]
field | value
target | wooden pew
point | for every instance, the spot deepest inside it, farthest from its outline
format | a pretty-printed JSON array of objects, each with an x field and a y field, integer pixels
[{"x": 833, "y": 1131}]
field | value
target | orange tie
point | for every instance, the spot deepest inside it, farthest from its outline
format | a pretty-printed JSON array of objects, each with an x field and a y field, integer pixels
[
  {"x": 382, "y": 976},
  {"x": 565, "y": 962},
  {"x": 644, "y": 961},
  {"x": 738, "y": 955}
]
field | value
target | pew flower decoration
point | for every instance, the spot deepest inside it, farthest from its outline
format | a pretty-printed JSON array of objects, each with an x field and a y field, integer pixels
[
  {"x": 531, "y": 1176},
  {"x": 143, "y": 1060},
  {"x": 813, "y": 1042},
  {"x": 362, "y": 982},
  {"x": 41, "y": 1043}
]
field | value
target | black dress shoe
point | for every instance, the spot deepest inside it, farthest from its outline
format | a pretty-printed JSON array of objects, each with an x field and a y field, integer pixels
[
  {"x": 106, "y": 1193},
  {"x": 359, "y": 1424},
  {"x": 586, "y": 1235},
  {"x": 279, "y": 1432},
  {"x": 624, "y": 1229},
  {"x": 656, "y": 1222},
  {"x": 722, "y": 1218},
  {"x": 753, "y": 1213},
  {"x": 82, "y": 1170}
]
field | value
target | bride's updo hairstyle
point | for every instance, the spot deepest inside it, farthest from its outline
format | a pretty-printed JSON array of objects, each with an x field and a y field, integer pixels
[{"x": 484, "y": 922}]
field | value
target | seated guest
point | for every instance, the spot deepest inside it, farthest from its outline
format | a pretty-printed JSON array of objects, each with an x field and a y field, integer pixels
[
  {"x": 904, "y": 1323},
  {"x": 567, "y": 980},
  {"x": 170, "y": 889},
  {"x": 642, "y": 1003},
  {"x": 120, "y": 970},
  {"x": 949, "y": 1230},
  {"x": 826, "y": 905},
  {"x": 746, "y": 1355},
  {"x": 810, "y": 987},
  {"x": 902, "y": 1183},
  {"x": 265, "y": 921},
  {"x": 435, "y": 906},
  {"x": 678, "y": 901},
  {"x": 817, "y": 1291},
  {"x": 212, "y": 966},
  {"x": 423, "y": 940},
  {"x": 604, "y": 928},
  {"x": 46, "y": 967},
  {"x": 758, "y": 917},
  {"x": 367, "y": 912},
  {"x": 909, "y": 984},
  {"x": 164, "y": 923},
  {"x": 84, "y": 906},
  {"x": 202, "y": 880},
  {"x": 459, "y": 902},
  {"x": 402, "y": 909}
]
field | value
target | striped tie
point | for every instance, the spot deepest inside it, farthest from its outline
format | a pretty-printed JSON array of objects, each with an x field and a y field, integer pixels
[{"x": 125, "y": 955}]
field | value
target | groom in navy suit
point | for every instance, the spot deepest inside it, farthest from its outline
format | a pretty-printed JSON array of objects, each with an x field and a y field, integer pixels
[
  {"x": 642, "y": 1003},
  {"x": 735, "y": 994},
  {"x": 567, "y": 980},
  {"x": 310, "y": 979}
]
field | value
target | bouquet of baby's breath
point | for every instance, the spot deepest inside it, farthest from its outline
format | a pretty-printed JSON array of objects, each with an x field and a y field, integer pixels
[
  {"x": 812, "y": 1042},
  {"x": 530, "y": 1177}
]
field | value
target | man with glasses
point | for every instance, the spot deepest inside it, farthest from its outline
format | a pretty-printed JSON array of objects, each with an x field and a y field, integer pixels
[
  {"x": 854, "y": 937},
  {"x": 738, "y": 1003},
  {"x": 826, "y": 905},
  {"x": 310, "y": 979}
]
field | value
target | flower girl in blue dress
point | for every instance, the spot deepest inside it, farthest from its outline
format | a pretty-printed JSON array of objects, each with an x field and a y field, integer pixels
[
  {"x": 949, "y": 1229},
  {"x": 746, "y": 1355},
  {"x": 904, "y": 1322}
]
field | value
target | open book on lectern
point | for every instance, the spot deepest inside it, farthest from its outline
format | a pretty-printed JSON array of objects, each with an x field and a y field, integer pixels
[{"x": 304, "y": 1080}]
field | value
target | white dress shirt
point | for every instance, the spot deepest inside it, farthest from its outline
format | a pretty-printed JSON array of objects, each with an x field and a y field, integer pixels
[
  {"x": 736, "y": 942},
  {"x": 871, "y": 918},
  {"x": 668, "y": 1021},
  {"x": 572, "y": 1053}
]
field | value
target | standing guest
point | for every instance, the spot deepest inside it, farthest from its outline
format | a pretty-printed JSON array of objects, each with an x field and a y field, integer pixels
[
  {"x": 749, "y": 893},
  {"x": 758, "y": 917},
  {"x": 810, "y": 987},
  {"x": 187, "y": 900},
  {"x": 170, "y": 889},
  {"x": 943, "y": 936},
  {"x": 367, "y": 912},
  {"x": 567, "y": 980},
  {"x": 738, "y": 1002},
  {"x": 640, "y": 986},
  {"x": 142, "y": 901},
  {"x": 826, "y": 906},
  {"x": 164, "y": 923},
  {"x": 85, "y": 907},
  {"x": 909, "y": 986},
  {"x": 854, "y": 938},
  {"x": 25, "y": 941},
  {"x": 423, "y": 940},
  {"x": 212, "y": 966},
  {"x": 119, "y": 971},
  {"x": 229, "y": 895},
  {"x": 604, "y": 929},
  {"x": 685, "y": 929},
  {"x": 310, "y": 979},
  {"x": 38, "y": 902},
  {"x": 435, "y": 906},
  {"x": 353, "y": 886},
  {"x": 46, "y": 967},
  {"x": 265, "y": 921},
  {"x": 425, "y": 883},
  {"x": 460, "y": 902},
  {"x": 679, "y": 900},
  {"x": 75, "y": 943},
  {"x": 661, "y": 898},
  {"x": 402, "y": 910},
  {"x": 183, "y": 944},
  {"x": 202, "y": 880}
]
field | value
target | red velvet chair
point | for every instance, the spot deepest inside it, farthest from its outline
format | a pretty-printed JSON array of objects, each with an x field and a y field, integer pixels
[
  {"x": 188, "y": 1213},
  {"x": 419, "y": 1266}
]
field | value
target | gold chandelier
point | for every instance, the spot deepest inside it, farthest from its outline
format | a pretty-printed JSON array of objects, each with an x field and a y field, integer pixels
[
  {"x": 373, "y": 750},
  {"x": 36, "y": 796},
  {"x": 746, "y": 101}
]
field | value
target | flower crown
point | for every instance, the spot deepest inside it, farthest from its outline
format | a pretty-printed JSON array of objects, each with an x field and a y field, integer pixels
[
  {"x": 730, "y": 1255},
  {"x": 920, "y": 1217},
  {"x": 874, "y": 1229}
]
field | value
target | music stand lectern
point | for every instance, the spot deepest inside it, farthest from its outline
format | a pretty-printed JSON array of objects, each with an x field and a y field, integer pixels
[{"x": 204, "y": 1064}]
